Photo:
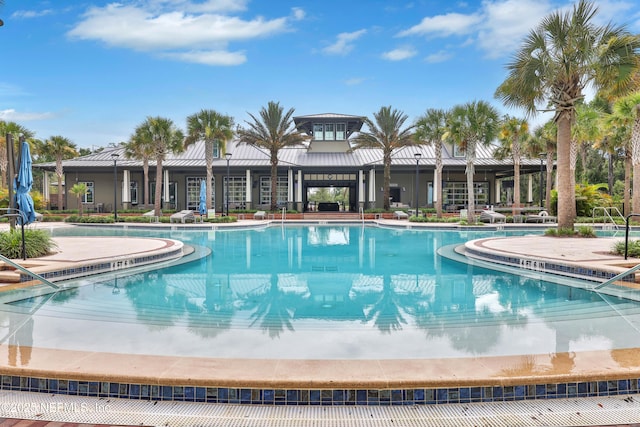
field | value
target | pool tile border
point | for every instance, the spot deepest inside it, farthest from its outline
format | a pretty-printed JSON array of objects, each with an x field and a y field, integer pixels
[{"x": 321, "y": 397}]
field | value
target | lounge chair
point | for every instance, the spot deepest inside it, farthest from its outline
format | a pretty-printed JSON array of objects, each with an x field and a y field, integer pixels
[
  {"x": 492, "y": 217},
  {"x": 183, "y": 216},
  {"x": 260, "y": 215},
  {"x": 542, "y": 217},
  {"x": 400, "y": 215},
  {"x": 152, "y": 215}
]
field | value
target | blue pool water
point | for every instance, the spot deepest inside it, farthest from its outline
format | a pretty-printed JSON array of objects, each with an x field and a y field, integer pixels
[{"x": 324, "y": 292}]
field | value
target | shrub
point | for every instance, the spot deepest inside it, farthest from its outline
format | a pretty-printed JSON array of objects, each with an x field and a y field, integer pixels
[
  {"x": 586, "y": 231},
  {"x": 37, "y": 243},
  {"x": 633, "y": 248},
  {"x": 90, "y": 219}
]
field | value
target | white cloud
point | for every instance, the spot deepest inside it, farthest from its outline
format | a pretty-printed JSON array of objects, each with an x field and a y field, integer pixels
[
  {"x": 441, "y": 56},
  {"x": 298, "y": 13},
  {"x": 400, "y": 54},
  {"x": 177, "y": 33},
  {"x": 12, "y": 115},
  {"x": 343, "y": 44},
  {"x": 212, "y": 57},
  {"x": 499, "y": 26},
  {"x": 28, "y": 14},
  {"x": 444, "y": 25},
  {"x": 354, "y": 81}
]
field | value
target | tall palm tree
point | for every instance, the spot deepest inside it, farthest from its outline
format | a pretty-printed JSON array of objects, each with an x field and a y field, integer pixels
[
  {"x": 513, "y": 135},
  {"x": 59, "y": 148},
  {"x": 543, "y": 140},
  {"x": 16, "y": 131},
  {"x": 212, "y": 127},
  {"x": 387, "y": 134},
  {"x": 627, "y": 109},
  {"x": 557, "y": 60},
  {"x": 429, "y": 129},
  {"x": 273, "y": 131},
  {"x": 471, "y": 124},
  {"x": 165, "y": 138},
  {"x": 140, "y": 146}
]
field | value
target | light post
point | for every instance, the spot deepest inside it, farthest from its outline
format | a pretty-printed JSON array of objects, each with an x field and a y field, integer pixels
[
  {"x": 228, "y": 156},
  {"x": 115, "y": 156},
  {"x": 417, "y": 156},
  {"x": 541, "y": 183}
]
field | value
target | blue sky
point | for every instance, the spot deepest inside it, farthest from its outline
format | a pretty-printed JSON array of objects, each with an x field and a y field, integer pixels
[{"x": 92, "y": 70}]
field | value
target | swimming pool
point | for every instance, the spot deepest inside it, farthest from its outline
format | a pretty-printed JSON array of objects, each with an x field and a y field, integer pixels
[{"x": 323, "y": 292}]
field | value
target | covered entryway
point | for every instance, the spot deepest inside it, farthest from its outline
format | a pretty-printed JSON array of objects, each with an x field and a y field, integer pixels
[{"x": 330, "y": 193}]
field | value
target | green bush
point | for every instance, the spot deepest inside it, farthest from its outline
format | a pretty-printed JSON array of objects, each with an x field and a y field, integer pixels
[
  {"x": 633, "y": 248},
  {"x": 586, "y": 231},
  {"x": 37, "y": 243},
  {"x": 90, "y": 219}
]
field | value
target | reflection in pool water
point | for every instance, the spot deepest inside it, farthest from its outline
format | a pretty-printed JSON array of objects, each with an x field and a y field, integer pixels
[{"x": 328, "y": 292}]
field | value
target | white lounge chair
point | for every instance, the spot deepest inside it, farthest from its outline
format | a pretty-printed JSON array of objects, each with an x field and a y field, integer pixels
[
  {"x": 542, "y": 217},
  {"x": 183, "y": 216},
  {"x": 400, "y": 215},
  {"x": 260, "y": 215},
  {"x": 492, "y": 217},
  {"x": 152, "y": 215}
]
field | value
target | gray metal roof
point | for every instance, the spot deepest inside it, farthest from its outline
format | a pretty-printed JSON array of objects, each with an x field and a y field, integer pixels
[{"x": 249, "y": 156}]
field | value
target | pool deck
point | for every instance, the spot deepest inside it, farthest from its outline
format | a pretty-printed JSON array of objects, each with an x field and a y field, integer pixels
[{"x": 333, "y": 374}]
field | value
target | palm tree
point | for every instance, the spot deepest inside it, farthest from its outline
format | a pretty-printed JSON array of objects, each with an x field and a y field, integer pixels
[
  {"x": 165, "y": 138},
  {"x": 430, "y": 128},
  {"x": 16, "y": 131},
  {"x": 59, "y": 148},
  {"x": 386, "y": 133},
  {"x": 627, "y": 109},
  {"x": 140, "y": 147},
  {"x": 557, "y": 60},
  {"x": 469, "y": 125},
  {"x": 212, "y": 127},
  {"x": 543, "y": 141},
  {"x": 272, "y": 132},
  {"x": 513, "y": 135},
  {"x": 585, "y": 132},
  {"x": 79, "y": 190}
]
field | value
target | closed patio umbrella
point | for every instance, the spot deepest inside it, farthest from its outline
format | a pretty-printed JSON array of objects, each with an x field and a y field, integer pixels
[
  {"x": 202, "y": 208},
  {"x": 23, "y": 183}
]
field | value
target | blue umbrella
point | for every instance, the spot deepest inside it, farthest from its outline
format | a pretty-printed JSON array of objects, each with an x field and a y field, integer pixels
[
  {"x": 22, "y": 185},
  {"x": 203, "y": 198}
]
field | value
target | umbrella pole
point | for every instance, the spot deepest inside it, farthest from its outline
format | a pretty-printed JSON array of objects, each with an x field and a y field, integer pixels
[{"x": 24, "y": 246}]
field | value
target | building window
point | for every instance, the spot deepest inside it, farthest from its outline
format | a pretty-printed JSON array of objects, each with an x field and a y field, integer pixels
[
  {"x": 173, "y": 195},
  {"x": 318, "y": 132},
  {"x": 88, "y": 197},
  {"x": 457, "y": 151},
  {"x": 133, "y": 192},
  {"x": 282, "y": 192},
  {"x": 237, "y": 190},
  {"x": 329, "y": 134},
  {"x": 193, "y": 192},
  {"x": 454, "y": 194},
  {"x": 341, "y": 131},
  {"x": 216, "y": 150}
]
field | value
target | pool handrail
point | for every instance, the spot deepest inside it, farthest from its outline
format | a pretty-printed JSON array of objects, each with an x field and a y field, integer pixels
[{"x": 28, "y": 272}]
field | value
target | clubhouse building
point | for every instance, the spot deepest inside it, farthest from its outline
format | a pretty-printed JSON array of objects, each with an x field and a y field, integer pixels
[{"x": 242, "y": 177}]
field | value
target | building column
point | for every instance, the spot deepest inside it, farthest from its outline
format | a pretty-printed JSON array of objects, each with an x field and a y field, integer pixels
[
  {"x": 372, "y": 188},
  {"x": 436, "y": 188},
  {"x": 530, "y": 189},
  {"x": 126, "y": 192},
  {"x": 361, "y": 190},
  {"x": 299, "y": 201},
  {"x": 248, "y": 190},
  {"x": 165, "y": 192},
  {"x": 290, "y": 189},
  {"x": 496, "y": 198},
  {"x": 45, "y": 188}
]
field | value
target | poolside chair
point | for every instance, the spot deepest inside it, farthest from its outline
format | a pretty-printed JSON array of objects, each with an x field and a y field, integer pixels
[
  {"x": 183, "y": 216},
  {"x": 542, "y": 217},
  {"x": 492, "y": 217},
  {"x": 400, "y": 215},
  {"x": 260, "y": 215},
  {"x": 152, "y": 216}
]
